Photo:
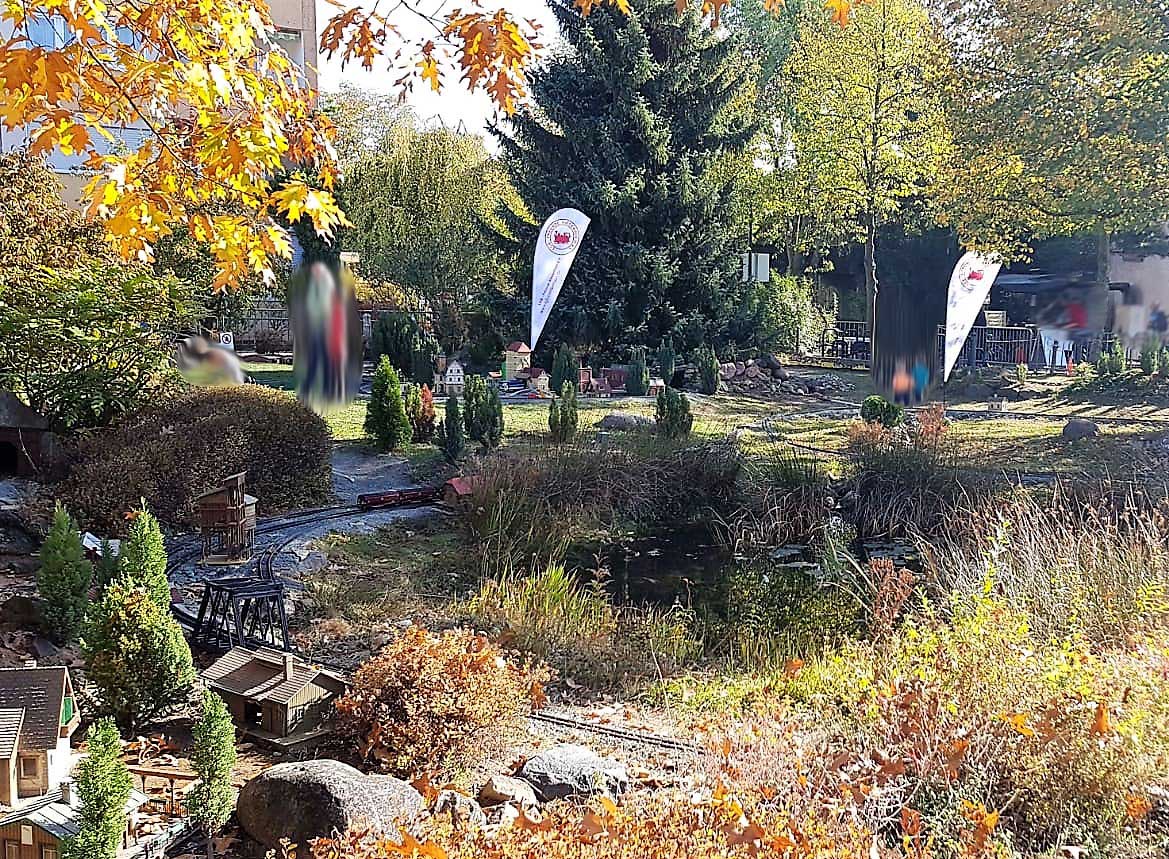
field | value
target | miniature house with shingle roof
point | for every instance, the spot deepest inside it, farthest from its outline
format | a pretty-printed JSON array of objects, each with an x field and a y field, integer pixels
[
  {"x": 38, "y": 715},
  {"x": 39, "y": 829},
  {"x": 273, "y": 694}
]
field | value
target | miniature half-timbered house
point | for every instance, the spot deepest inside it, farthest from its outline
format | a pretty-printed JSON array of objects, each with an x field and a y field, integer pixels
[
  {"x": 37, "y": 830},
  {"x": 226, "y": 517},
  {"x": 517, "y": 357},
  {"x": 452, "y": 380},
  {"x": 38, "y": 715},
  {"x": 273, "y": 694}
]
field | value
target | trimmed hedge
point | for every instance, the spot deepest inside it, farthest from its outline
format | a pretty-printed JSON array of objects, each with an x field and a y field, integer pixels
[{"x": 172, "y": 452}]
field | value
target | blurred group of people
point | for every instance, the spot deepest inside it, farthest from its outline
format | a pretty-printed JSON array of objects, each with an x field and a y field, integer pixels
[
  {"x": 326, "y": 334},
  {"x": 910, "y": 381}
]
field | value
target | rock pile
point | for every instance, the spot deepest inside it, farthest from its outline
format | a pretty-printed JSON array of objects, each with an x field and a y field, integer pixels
[{"x": 310, "y": 799}]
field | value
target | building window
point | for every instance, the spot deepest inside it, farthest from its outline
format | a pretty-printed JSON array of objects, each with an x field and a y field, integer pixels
[
  {"x": 11, "y": 850},
  {"x": 48, "y": 852},
  {"x": 28, "y": 768}
]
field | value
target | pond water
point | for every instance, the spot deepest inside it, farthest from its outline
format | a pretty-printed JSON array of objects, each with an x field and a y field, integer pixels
[{"x": 688, "y": 568}]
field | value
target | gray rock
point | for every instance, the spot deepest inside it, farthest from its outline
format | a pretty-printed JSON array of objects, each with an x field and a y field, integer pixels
[
  {"x": 624, "y": 423},
  {"x": 465, "y": 812},
  {"x": 502, "y": 788},
  {"x": 567, "y": 770},
  {"x": 1079, "y": 428},
  {"x": 310, "y": 799}
]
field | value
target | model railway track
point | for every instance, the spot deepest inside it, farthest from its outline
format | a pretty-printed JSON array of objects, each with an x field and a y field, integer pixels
[{"x": 623, "y": 735}]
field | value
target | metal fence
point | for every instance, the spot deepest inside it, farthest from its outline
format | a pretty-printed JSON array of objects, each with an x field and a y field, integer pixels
[{"x": 850, "y": 343}]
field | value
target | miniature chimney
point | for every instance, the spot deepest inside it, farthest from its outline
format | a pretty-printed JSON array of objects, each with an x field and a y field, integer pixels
[
  {"x": 289, "y": 668},
  {"x": 67, "y": 792}
]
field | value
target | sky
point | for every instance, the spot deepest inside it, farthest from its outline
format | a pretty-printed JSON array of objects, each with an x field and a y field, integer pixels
[{"x": 454, "y": 104}]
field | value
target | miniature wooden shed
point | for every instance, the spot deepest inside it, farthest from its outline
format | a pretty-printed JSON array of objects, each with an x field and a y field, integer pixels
[
  {"x": 273, "y": 694},
  {"x": 25, "y": 440},
  {"x": 226, "y": 517}
]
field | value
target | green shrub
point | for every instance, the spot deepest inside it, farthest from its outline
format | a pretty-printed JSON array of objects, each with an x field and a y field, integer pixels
[
  {"x": 637, "y": 382},
  {"x": 667, "y": 360},
  {"x": 63, "y": 578},
  {"x": 673, "y": 414},
  {"x": 136, "y": 656},
  {"x": 482, "y": 412},
  {"x": 397, "y": 336},
  {"x": 180, "y": 448},
  {"x": 708, "y": 370},
  {"x": 1163, "y": 361},
  {"x": 1021, "y": 371},
  {"x": 103, "y": 789},
  {"x": 878, "y": 410},
  {"x": 450, "y": 438},
  {"x": 108, "y": 564},
  {"x": 563, "y": 419},
  {"x": 437, "y": 703},
  {"x": 564, "y": 368},
  {"x": 143, "y": 558},
  {"x": 386, "y": 419},
  {"x": 1112, "y": 361},
  {"x": 1149, "y": 356}
]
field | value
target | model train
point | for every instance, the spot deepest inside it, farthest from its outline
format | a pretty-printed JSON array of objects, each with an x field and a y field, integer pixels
[{"x": 400, "y": 497}]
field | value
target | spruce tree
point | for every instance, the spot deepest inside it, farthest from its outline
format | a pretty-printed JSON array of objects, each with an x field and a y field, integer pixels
[
  {"x": 672, "y": 414},
  {"x": 635, "y": 125},
  {"x": 63, "y": 578},
  {"x": 103, "y": 787},
  {"x": 475, "y": 408},
  {"x": 108, "y": 565},
  {"x": 564, "y": 368},
  {"x": 563, "y": 419},
  {"x": 450, "y": 437},
  {"x": 708, "y": 370},
  {"x": 143, "y": 557},
  {"x": 493, "y": 423},
  {"x": 385, "y": 418},
  {"x": 667, "y": 360},
  {"x": 212, "y": 800},
  {"x": 637, "y": 382},
  {"x": 136, "y": 656}
]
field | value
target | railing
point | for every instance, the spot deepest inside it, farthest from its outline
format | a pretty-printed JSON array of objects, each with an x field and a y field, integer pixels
[{"x": 850, "y": 343}]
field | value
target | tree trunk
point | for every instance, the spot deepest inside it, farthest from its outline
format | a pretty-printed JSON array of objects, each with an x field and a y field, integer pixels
[
  {"x": 210, "y": 846},
  {"x": 1098, "y": 308},
  {"x": 871, "y": 288}
]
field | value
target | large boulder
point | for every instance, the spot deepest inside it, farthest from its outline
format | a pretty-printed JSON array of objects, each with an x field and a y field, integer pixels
[
  {"x": 622, "y": 422},
  {"x": 310, "y": 799},
  {"x": 1079, "y": 428},
  {"x": 567, "y": 770}
]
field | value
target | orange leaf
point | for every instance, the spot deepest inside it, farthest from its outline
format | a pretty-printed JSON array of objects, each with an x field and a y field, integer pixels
[{"x": 1102, "y": 721}]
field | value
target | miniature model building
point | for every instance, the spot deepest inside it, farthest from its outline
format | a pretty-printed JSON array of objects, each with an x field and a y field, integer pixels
[
  {"x": 457, "y": 492},
  {"x": 38, "y": 715},
  {"x": 452, "y": 379},
  {"x": 273, "y": 694},
  {"x": 38, "y": 830},
  {"x": 25, "y": 440},
  {"x": 226, "y": 517},
  {"x": 516, "y": 357}
]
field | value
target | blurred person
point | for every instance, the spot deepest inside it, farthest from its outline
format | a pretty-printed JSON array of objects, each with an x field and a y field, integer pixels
[
  {"x": 204, "y": 363},
  {"x": 921, "y": 379},
  {"x": 326, "y": 334},
  {"x": 902, "y": 384}
]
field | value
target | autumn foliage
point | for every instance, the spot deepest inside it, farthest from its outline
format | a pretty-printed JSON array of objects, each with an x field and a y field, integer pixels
[{"x": 432, "y": 702}]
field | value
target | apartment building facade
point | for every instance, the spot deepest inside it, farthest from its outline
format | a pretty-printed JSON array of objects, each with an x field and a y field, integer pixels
[{"x": 296, "y": 34}]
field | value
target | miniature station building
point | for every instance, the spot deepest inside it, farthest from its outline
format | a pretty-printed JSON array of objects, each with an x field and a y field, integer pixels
[
  {"x": 38, "y": 715},
  {"x": 37, "y": 830},
  {"x": 26, "y": 445},
  {"x": 274, "y": 695},
  {"x": 226, "y": 517}
]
